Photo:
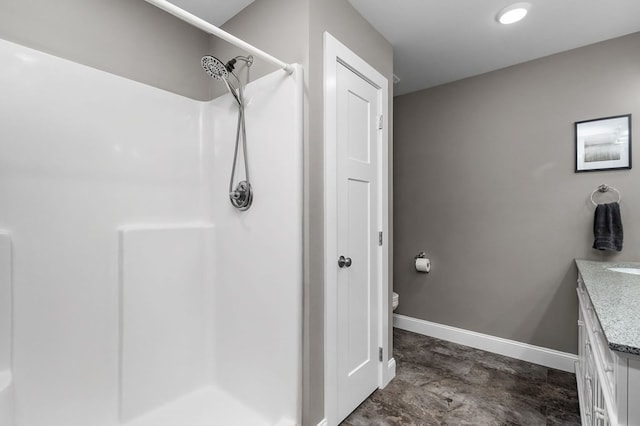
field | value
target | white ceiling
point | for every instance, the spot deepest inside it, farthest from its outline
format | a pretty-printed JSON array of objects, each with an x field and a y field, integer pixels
[
  {"x": 439, "y": 41},
  {"x": 216, "y": 12}
]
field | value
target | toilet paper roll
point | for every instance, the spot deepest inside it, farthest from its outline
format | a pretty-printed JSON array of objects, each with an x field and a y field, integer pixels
[{"x": 423, "y": 264}]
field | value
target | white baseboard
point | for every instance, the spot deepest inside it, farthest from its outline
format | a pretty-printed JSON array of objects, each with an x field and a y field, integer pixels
[
  {"x": 523, "y": 351},
  {"x": 323, "y": 423}
]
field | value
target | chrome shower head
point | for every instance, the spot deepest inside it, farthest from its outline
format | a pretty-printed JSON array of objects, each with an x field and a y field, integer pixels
[
  {"x": 215, "y": 67},
  {"x": 218, "y": 70}
]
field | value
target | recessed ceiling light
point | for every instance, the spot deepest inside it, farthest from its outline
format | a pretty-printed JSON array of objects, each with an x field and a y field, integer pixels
[{"x": 513, "y": 13}]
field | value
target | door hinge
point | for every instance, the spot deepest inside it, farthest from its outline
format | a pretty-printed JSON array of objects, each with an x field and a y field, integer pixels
[
  {"x": 380, "y": 354},
  {"x": 380, "y": 121},
  {"x": 380, "y": 238}
]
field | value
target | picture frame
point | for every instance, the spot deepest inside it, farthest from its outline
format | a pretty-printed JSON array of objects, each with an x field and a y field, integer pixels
[{"x": 603, "y": 144}]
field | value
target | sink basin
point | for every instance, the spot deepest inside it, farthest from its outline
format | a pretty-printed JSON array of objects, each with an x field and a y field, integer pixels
[{"x": 627, "y": 270}]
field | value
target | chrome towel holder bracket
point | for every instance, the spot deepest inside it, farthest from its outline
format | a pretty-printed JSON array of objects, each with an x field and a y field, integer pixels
[{"x": 605, "y": 188}]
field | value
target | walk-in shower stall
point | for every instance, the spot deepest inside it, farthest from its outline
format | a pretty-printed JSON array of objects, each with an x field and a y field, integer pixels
[{"x": 132, "y": 292}]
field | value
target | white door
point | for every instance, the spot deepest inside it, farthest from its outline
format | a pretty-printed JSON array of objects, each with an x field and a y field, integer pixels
[{"x": 359, "y": 109}]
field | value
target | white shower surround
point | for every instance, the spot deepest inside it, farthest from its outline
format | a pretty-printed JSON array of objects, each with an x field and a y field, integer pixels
[{"x": 106, "y": 184}]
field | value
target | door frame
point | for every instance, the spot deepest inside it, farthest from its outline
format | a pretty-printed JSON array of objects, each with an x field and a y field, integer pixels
[{"x": 337, "y": 53}]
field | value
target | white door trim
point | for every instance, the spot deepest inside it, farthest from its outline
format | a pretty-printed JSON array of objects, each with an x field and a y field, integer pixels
[{"x": 336, "y": 53}]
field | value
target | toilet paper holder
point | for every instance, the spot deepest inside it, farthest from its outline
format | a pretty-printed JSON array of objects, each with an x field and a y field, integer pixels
[
  {"x": 422, "y": 262},
  {"x": 421, "y": 255}
]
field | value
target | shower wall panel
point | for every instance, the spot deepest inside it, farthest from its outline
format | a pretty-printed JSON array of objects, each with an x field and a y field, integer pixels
[
  {"x": 5, "y": 302},
  {"x": 167, "y": 298},
  {"x": 84, "y": 154},
  {"x": 258, "y": 253},
  {"x": 6, "y": 318}
]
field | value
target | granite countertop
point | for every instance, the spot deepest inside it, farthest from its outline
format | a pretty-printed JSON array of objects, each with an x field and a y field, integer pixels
[{"x": 616, "y": 300}]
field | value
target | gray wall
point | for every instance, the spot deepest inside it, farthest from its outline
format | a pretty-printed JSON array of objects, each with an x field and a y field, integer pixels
[
  {"x": 485, "y": 184},
  {"x": 132, "y": 39}
]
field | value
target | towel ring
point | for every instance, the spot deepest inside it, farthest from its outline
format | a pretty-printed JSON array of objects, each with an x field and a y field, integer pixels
[{"x": 604, "y": 188}]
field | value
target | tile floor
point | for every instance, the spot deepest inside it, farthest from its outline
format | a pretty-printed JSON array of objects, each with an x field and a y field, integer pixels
[{"x": 441, "y": 383}]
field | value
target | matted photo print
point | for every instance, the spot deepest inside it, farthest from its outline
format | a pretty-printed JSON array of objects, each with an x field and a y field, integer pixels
[{"x": 603, "y": 144}]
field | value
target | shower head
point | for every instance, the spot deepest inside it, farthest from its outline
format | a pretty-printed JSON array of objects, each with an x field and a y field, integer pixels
[
  {"x": 215, "y": 67},
  {"x": 218, "y": 70},
  {"x": 221, "y": 71}
]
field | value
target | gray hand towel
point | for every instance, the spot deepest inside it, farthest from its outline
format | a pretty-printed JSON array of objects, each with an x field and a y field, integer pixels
[{"x": 607, "y": 227}]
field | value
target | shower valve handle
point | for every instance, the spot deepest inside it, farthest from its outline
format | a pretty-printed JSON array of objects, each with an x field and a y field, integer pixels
[{"x": 344, "y": 261}]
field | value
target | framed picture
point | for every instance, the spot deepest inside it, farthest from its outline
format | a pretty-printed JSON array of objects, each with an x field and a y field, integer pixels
[{"x": 603, "y": 144}]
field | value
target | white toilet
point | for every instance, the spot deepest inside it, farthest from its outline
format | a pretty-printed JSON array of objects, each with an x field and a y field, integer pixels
[{"x": 395, "y": 300}]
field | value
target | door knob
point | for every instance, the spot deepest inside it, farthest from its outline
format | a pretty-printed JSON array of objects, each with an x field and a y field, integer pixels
[{"x": 344, "y": 261}]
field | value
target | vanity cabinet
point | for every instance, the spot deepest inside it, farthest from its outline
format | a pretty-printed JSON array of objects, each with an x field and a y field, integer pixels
[{"x": 608, "y": 380}]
